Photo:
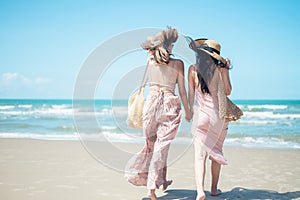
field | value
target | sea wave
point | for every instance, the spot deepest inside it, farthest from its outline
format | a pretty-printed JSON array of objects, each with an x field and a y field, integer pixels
[
  {"x": 35, "y": 112},
  {"x": 270, "y": 115},
  {"x": 248, "y": 141},
  {"x": 109, "y": 128},
  {"x": 6, "y": 107},
  {"x": 261, "y": 142},
  {"x": 25, "y": 106},
  {"x": 269, "y": 107},
  {"x": 269, "y": 124},
  {"x": 21, "y": 135},
  {"x": 258, "y": 122},
  {"x": 63, "y": 106}
]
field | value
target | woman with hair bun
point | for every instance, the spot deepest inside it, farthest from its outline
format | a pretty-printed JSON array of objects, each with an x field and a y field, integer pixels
[{"x": 161, "y": 114}]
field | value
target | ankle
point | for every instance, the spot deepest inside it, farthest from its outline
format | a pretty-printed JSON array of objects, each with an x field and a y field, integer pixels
[
  {"x": 214, "y": 189},
  {"x": 152, "y": 195},
  {"x": 151, "y": 192}
]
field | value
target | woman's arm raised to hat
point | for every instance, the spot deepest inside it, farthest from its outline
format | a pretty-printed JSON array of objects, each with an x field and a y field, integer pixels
[{"x": 226, "y": 78}]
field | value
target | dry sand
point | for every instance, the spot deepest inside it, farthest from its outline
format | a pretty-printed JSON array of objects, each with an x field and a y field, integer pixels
[{"x": 42, "y": 170}]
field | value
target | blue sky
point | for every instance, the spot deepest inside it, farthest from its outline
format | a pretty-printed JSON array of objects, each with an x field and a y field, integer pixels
[{"x": 43, "y": 44}]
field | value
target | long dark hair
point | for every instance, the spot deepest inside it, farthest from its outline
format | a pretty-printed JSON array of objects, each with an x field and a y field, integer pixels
[{"x": 205, "y": 68}]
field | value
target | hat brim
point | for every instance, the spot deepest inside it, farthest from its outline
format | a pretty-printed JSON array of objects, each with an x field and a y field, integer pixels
[
  {"x": 195, "y": 44},
  {"x": 215, "y": 55}
]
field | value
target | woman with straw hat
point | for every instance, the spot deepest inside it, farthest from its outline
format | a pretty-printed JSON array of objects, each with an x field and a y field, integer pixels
[{"x": 209, "y": 129}]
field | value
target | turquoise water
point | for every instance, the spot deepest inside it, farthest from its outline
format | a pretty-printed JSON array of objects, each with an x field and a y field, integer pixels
[{"x": 266, "y": 123}]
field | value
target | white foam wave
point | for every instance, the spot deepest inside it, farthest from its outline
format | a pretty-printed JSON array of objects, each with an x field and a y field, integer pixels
[
  {"x": 91, "y": 113},
  {"x": 270, "y": 115},
  {"x": 43, "y": 112},
  {"x": 66, "y": 111},
  {"x": 108, "y": 127},
  {"x": 63, "y": 106},
  {"x": 25, "y": 106},
  {"x": 6, "y": 107},
  {"x": 251, "y": 142},
  {"x": 271, "y": 107},
  {"x": 263, "y": 142},
  {"x": 57, "y": 110},
  {"x": 258, "y": 122},
  {"x": 40, "y": 136}
]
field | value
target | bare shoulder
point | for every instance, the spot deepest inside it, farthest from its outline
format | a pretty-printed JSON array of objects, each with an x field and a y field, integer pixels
[{"x": 177, "y": 63}]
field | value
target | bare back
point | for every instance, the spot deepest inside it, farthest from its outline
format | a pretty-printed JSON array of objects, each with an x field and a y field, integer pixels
[{"x": 163, "y": 76}]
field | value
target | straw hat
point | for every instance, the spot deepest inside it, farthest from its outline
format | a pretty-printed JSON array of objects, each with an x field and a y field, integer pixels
[{"x": 211, "y": 47}]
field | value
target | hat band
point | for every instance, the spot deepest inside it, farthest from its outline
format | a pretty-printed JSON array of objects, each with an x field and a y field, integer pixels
[{"x": 210, "y": 49}]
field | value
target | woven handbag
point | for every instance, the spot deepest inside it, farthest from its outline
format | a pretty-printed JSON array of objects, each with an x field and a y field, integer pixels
[
  {"x": 136, "y": 105},
  {"x": 233, "y": 112},
  {"x": 227, "y": 109}
]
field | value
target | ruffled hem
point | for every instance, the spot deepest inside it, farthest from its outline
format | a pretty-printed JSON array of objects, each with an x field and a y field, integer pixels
[{"x": 218, "y": 157}]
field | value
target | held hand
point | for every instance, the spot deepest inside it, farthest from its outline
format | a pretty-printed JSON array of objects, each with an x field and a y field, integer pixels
[
  {"x": 192, "y": 110},
  {"x": 188, "y": 116}
]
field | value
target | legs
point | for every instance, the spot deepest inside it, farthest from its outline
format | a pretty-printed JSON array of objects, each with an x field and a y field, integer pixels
[
  {"x": 200, "y": 168},
  {"x": 215, "y": 173},
  {"x": 167, "y": 182},
  {"x": 138, "y": 166},
  {"x": 166, "y": 115},
  {"x": 158, "y": 168},
  {"x": 151, "y": 194},
  {"x": 216, "y": 166},
  {"x": 209, "y": 134}
]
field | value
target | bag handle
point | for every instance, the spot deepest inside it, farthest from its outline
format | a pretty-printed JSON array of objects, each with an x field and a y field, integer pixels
[{"x": 143, "y": 83}]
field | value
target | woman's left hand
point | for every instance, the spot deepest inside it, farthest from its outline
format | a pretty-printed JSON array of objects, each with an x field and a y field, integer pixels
[
  {"x": 228, "y": 63},
  {"x": 188, "y": 116}
]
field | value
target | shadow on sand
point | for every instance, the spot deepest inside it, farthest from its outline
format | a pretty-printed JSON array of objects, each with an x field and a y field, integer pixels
[{"x": 236, "y": 193}]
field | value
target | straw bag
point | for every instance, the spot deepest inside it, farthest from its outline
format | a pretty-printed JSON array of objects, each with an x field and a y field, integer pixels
[
  {"x": 135, "y": 109},
  {"x": 227, "y": 109},
  {"x": 136, "y": 105},
  {"x": 233, "y": 112}
]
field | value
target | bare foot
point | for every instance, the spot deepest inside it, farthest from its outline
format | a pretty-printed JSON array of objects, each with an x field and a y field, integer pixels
[
  {"x": 151, "y": 195},
  {"x": 166, "y": 184},
  {"x": 200, "y": 196},
  {"x": 216, "y": 193}
]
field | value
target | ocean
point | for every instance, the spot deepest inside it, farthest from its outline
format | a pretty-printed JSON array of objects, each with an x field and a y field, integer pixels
[{"x": 265, "y": 124}]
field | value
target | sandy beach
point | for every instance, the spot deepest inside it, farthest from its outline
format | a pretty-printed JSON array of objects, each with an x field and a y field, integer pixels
[{"x": 41, "y": 169}]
